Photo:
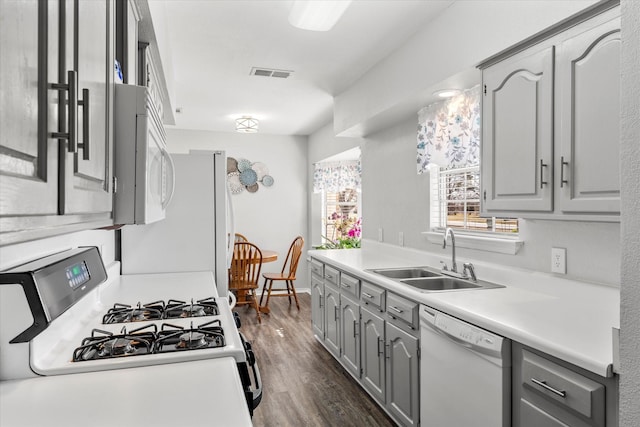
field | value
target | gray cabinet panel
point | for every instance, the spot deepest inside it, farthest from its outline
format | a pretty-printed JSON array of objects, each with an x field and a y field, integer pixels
[
  {"x": 332, "y": 319},
  {"x": 532, "y": 416},
  {"x": 350, "y": 334},
  {"x": 29, "y": 110},
  {"x": 317, "y": 306},
  {"x": 372, "y": 355},
  {"x": 403, "y": 379},
  {"x": 517, "y": 144},
  {"x": 589, "y": 78}
]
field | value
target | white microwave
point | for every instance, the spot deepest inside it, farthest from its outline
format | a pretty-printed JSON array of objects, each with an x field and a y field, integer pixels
[{"x": 143, "y": 168}]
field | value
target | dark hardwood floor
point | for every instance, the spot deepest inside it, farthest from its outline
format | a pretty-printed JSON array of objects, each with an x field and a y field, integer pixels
[{"x": 303, "y": 384}]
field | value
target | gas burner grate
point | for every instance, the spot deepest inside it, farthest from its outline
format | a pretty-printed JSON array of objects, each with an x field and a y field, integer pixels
[
  {"x": 105, "y": 345},
  {"x": 124, "y": 313},
  {"x": 157, "y": 310},
  {"x": 181, "y": 309},
  {"x": 175, "y": 338},
  {"x": 148, "y": 340}
]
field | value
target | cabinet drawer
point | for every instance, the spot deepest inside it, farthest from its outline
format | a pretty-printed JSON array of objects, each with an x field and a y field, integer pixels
[
  {"x": 372, "y": 295},
  {"x": 331, "y": 275},
  {"x": 564, "y": 386},
  {"x": 402, "y": 309},
  {"x": 350, "y": 285},
  {"x": 316, "y": 267}
]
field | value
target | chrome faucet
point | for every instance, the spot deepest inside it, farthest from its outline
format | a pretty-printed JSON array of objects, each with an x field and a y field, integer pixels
[
  {"x": 468, "y": 271},
  {"x": 454, "y": 267}
]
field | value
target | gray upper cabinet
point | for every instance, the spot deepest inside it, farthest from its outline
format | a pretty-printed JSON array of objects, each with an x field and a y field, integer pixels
[
  {"x": 551, "y": 116},
  {"x": 589, "y": 110},
  {"x": 29, "y": 113},
  {"x": 91, "y": 53},
  {"x": 517, "y": 140},
  {"x": 56, "y": 117}
]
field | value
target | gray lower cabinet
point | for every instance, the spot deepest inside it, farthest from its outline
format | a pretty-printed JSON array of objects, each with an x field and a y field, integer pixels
[
  {"x": 372, "y": 342},
  {"x": 373, "y": 333},
  {"x": 332, "y": 319},
  {"x": 548, "y": 392},
  {"x": 317, "y": 306},
  {"x": 403, "y": 379},
  {"x": 350, "y": 334}
]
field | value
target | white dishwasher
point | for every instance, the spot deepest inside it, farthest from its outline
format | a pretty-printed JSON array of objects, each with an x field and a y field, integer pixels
[{"x": 465, "y": 373}]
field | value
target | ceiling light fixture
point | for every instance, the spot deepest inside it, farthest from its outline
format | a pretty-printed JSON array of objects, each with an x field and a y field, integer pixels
[
  {"x": 447, "y": 93},
  {"x": 247, "y": 124},
  {"x": 317, "y": 15}
]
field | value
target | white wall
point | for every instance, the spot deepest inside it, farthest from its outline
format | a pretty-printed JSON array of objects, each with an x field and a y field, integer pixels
[
  {"x": 630, "y": 173},
  {"x": 273, "y": 216}
]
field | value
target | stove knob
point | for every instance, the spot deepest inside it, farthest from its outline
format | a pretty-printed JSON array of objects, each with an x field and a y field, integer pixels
[{"x": 236, "y": 317}]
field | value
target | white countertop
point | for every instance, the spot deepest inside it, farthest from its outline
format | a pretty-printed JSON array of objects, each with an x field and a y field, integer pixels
[
  {"x": 564, "y": 318},
  {"x": 152, "y": 395}
]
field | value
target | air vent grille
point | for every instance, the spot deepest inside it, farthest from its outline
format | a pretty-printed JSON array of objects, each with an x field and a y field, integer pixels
[{"x": 270, "y": 72}]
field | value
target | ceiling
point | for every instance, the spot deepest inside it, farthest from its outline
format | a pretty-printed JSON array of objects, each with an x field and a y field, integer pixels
[{"x": 215, "y": 44}]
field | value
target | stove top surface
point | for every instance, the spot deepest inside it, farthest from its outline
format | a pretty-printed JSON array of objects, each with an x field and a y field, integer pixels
[{"x": 193, "y": 324}]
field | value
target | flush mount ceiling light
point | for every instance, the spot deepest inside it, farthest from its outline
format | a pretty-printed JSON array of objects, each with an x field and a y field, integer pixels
[
  {"x": 317, "y": 15},
  {"x": 246, "y": 124},
  {"x": 447, "y": 93}
]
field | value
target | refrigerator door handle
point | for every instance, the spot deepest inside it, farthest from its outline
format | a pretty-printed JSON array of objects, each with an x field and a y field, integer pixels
[{"x": 232, "y": 229}]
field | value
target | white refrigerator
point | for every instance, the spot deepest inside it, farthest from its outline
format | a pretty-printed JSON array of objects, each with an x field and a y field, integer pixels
[{"x": 195, "y": 234}]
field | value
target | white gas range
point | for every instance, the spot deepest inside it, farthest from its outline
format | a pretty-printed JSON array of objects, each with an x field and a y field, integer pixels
[{"x": 59, "y": 316}]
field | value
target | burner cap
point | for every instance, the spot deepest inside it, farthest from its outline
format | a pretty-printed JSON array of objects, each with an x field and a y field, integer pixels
[
  {"x": 192, "y": 340},
  {"x": 193, "y": 310},
  {"x": 137, "y": 314},
  {"x": 118, "y": 346}
]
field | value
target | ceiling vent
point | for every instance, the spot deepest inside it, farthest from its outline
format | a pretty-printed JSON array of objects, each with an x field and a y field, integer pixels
[{"x": 270, "y": 72}]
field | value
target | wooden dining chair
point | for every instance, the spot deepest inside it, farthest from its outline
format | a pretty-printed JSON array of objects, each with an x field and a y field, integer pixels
[
  {"x": 244, "y": 274},
  {"x": 288, "y": 275},
  {"x": 240, "y": 238}
]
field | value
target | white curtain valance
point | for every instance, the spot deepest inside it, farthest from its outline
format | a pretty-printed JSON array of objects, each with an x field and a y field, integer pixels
[
  {"x": 449, "y": 132},
  {"x": 336, "y": 176}
]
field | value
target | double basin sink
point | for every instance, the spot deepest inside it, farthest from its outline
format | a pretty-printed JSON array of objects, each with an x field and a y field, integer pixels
[{"x": 428, "y": 280}]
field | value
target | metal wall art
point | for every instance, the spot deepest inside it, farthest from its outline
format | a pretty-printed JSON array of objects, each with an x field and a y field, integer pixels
[{"x": 244, "y": 175}]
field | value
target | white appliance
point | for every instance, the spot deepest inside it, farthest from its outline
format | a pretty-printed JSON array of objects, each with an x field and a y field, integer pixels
[
  {"x": 465, "y": 373},
  {"x": 143, "y": 167},
  {"x": 194, "y": 236},
  {"x": 61, "y": 315}
]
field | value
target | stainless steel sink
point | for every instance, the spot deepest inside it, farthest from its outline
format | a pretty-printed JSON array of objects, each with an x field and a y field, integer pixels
[
  {"x": 434, "y": 284},
  {"x": 430, "y": 280},
  {"x": 406, "y": 273}
]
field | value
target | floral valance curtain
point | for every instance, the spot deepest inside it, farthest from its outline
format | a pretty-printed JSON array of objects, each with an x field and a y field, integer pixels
[
  {"x": 449, "y": 132},
  {"x": 336, "y": 176}
]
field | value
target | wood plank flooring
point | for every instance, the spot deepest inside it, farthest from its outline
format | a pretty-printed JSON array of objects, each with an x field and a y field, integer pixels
[{"x": 303, "y": 385}]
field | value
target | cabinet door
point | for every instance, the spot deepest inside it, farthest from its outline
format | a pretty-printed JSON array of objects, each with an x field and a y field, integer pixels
[
  {"x": 517, "y": 143},
  {"x": 403, "y": 379},
  {"x": 589, "y": 93},
  {"x": 372, "y": 342},
  {"x": 532, "y": 416},
  {"x": 317, "y": 306},
  {"x": 332, "y": 319},
  {"x": 350, "y": 334},
  {"x": 89, "y": 50},
  {"x": 29, "y": 110}
]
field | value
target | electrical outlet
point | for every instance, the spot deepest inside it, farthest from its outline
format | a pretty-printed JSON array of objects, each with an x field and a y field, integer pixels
[
  {"x": 559, "y": 260},
  {"x": 380, "y": 239},
  {"x": 401, "y": 238}
]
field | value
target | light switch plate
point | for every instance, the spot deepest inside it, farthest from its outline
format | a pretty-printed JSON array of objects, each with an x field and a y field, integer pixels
[
  {"x": 380, "y": 234},
  {"x": 559, "y": 260},
  {"x": 401, "y": 238}
]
